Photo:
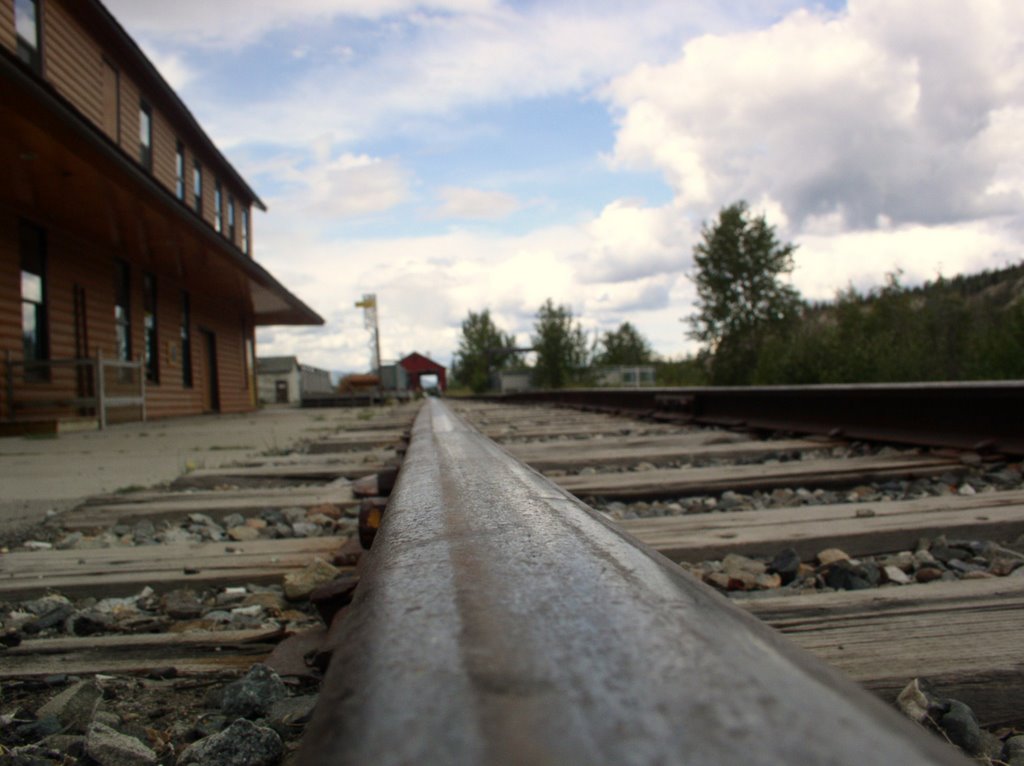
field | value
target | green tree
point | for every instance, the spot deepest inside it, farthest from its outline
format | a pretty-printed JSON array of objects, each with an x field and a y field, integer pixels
[
  {"x": 624, "y": 346},
  {"x": 740, "y": 297},
  {"x": 561, "y": 347},
  {"x": 483, "y": 350}
]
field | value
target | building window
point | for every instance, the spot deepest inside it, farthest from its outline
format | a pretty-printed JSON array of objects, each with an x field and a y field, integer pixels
[
  {"x": 26, "y": 25},
  {"x": 179, "y": 171},
  {"x": 34, "y": 330},
  {"x": 197, "y": 186},
  {"x": 186, "y": 341},
  {"x": 149, "y": 325},
  {"x": 122, "y": 310},
  {"x": 231, "y": 218},
  {"x": 146, "y": 135},
  {"x": 218, "y": 207},
  {"x": 245, "y": 230}
]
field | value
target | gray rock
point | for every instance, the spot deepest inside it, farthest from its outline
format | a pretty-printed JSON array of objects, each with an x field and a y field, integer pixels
[
  {"x": 289, "y": 716},
  {"x": 1013, "y": 751},
  {"x": 243, "y": 743},
  {"x": 109, "y": 747},
  {"x": 144, "y": 531},
  {"x": 895, "y": 575},
  {"x": 252, "y": 696},
  {"x": 306, "y": 529},
  {"x": 74, "y": 707},
  {"x": 733, "y": 564},
  {"x": 88, "y": 624},
  {"x": 69, "y": 541},
  {"x": 293, "y": 515},
  {"x": 182, "y": 604},
  {"x": 42, "y": 727},
  {"x": 243, "y": 534},
  {"x": 961, "y": 726},
  {"x": 69, "y": 744},
  {"x": 786, "y": 564},
  {"x": 233, "y": 520}
]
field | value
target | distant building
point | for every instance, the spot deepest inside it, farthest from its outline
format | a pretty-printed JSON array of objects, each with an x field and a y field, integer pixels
[
  {"x": 394, "y": 378},
  {"x": 282, "y": 380},
  {"x": 126, "y": 242},
  {"x": 279, "y": 380},
  {"x": 511, "y": 381},
  {"x": 625, "y": 376},
  {"x": 417, "y": 366}
]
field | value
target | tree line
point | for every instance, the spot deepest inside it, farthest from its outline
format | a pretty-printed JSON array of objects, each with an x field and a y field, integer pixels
[
  {"x": 565, "y": 356},
  {"x": 756, "y": 329}
]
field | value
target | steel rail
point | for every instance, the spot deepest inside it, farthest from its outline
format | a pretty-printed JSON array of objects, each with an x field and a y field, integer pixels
[
  {"x": 986, "y": 416},
  {"x": 498, "y": 620}
]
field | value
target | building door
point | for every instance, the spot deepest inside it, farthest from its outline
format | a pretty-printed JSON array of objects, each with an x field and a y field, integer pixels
[
  {"x": 208, "y": 353},
  {"x": 281, "y": 391}
]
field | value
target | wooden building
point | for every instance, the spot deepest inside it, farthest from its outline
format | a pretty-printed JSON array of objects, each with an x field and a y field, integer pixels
[
  {"x": 417, "y": 366},
  {"x": 125, "y": 235}
]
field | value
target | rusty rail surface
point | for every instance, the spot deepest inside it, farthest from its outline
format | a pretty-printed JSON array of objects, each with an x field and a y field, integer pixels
[
  {"x": 984, "y": 416},
  {"x": 498, "y": 620}
]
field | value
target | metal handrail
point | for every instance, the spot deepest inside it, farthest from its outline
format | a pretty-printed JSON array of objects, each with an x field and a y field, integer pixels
[
  {"x": 499, "y": 620},
  {"x": 100, "y": 401}
]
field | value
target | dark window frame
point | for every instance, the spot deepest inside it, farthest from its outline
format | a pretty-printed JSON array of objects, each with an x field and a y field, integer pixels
[
  {"x": 30, "y": 52},
  {"x": 197, "y": 186},
  {"x": 245, "y": 230},
  {"x": 218, "y": 206},
  {"x": 146, "y": 135},
  {"x": 122, "y": 310},
  {"x": 150, "y": 328},
  {"x": 179, "y": 170},
  {"x": 32, "y": 254}
]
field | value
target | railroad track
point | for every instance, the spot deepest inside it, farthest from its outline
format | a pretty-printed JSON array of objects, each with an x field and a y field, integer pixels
[{"x": 500, "y": 619}]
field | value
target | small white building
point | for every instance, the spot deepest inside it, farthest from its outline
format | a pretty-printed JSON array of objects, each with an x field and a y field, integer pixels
[
  {"x": 279, "y": 380},
  {"x": 625, "y": 376},
  {"x": 510, "y": 381},
  {"x": 282, "y": 380}
]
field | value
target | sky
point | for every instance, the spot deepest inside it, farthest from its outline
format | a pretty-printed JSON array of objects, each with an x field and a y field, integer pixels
[{"x": 458, "y": 155}]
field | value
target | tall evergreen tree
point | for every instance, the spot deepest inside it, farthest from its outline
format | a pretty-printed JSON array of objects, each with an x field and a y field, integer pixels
[
  {"x": 483, "y": 350},
  {"x": 740, "y": 296},
  {"x": 561, "y": 347},
  {"x": 625, "y": 346}
]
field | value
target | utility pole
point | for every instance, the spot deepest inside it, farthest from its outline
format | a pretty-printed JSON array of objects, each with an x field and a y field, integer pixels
[{"x": 369, "y": 306}]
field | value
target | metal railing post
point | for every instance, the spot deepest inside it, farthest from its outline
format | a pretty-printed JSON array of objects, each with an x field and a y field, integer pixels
[{"x": 142, "y": 387}]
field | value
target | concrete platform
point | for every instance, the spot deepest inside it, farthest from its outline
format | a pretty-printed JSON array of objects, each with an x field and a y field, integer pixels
[{"x": 56, "y": 472}]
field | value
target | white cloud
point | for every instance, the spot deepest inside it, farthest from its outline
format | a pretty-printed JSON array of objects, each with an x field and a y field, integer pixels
[
  {"x": 233, "y": 23},
  {"x": 464, "y": 202},
  {"x": 173, "y": 68},
  {"x": 629, "y": 241},
  {"x": 881, "y": 110},
  {"x": 348, "y": 186},
  {"x": 825, "y": 263}
]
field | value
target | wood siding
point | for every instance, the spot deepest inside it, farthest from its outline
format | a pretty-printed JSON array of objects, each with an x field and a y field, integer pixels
[
  {"x": 72, "y": 261},
  {"x": 93, "y": 214},
  {"x": 7, "y": 38},
  {"x": 72, "y": 61}
]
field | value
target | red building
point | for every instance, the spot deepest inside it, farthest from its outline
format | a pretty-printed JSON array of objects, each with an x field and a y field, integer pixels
[{"x": 417, "y": 365}]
